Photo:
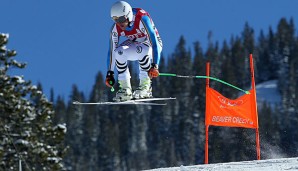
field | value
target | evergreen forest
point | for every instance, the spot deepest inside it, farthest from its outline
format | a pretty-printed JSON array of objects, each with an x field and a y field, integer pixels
[{"x": 54, "y": 134}]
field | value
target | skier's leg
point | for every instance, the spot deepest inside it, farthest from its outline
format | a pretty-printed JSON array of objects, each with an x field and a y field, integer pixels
[
  {"x": 144, "y": 89},
  {"x": 122, "y": 54}
]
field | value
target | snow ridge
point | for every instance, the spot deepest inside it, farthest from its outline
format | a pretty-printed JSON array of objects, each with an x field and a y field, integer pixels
[{"x": 287, "y": 164}]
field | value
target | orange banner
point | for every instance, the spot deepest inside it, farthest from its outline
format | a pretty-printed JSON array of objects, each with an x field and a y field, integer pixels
[{"x": 222, "y": 111}]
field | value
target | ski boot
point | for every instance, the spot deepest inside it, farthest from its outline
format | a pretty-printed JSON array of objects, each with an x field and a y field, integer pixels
[
  {"x": 144, "y": 90},
  {"x": 124, "y": 93}
]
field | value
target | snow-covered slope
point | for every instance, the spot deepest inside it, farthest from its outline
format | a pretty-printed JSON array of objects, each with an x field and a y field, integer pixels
[
  {"x": 285, "y": 164},
  {"x": 267, "y": 91}
]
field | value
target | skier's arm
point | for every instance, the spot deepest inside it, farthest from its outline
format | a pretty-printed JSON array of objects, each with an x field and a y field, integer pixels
[
  {"x": 113, "y": 43},
  {"x": 153, "y": 38},
  {"x": 114, "y": 39}
]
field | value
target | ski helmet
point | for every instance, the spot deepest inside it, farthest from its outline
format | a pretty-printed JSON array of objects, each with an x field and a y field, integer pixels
[{"x": 121, "y": 11}]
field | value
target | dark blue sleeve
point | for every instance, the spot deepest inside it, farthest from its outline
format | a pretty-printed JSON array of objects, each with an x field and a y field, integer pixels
[{"x": 154, "y": 39}]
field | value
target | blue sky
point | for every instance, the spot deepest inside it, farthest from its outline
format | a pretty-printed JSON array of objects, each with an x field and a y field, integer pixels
[{"x": 65, "y": 42}]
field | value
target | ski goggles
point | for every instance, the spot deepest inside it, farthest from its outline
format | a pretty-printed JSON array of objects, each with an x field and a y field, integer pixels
[{"x": 120, "y": 19}]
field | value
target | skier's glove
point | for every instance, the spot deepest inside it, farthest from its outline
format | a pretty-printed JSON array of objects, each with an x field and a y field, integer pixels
[
  {"x": 153, "y": 71},
  {"x": 110, "y": 80}
]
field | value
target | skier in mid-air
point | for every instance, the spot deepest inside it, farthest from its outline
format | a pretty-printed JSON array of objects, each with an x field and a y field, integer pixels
[{"x": 143, "y": 44}]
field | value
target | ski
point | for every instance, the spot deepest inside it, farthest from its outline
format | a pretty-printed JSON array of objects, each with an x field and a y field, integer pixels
[{"x": 147, "y": 101}]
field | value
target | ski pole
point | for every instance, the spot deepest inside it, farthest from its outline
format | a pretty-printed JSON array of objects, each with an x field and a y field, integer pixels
[{"x": 205, "y": 77}]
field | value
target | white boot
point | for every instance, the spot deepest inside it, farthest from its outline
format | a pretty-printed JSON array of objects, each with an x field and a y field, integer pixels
[
  {"x": 144, "y": 90},
  {"x": 124, "y": 93}
]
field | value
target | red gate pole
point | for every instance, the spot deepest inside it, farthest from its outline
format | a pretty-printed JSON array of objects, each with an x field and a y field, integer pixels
[
  {"x": 255, "y": 106},
  {"x": 207, "y": 111}
]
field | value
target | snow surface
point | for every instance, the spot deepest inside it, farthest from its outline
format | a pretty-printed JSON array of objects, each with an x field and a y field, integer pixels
[
  {"x": 267, "y": 91},
  {"x": 287, "y": 164}
]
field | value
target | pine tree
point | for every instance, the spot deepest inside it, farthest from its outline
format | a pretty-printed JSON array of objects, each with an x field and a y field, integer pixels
[
  {"x": 28, "y": 133},
  {"x": 286, "y": 80},
  {"x": 159, "y": 138},
  {"x": 285, "y": 39},
  {"x": 263, "y": 59},
  {"x": 197, "y": 103},
  {"x": 294, "y": 82},
  {"x": 182, "y": 122},
  {"x": 227, "y": 69},
  {"x": 212, "y": 55},
  {"x": 60, "y": 110},
  {"x": 273, "y": 54},
  {"x": 248, "y": 41},
  {"x": 238, "y": 63},
  {"x": 91, "y": 124},
  {"x": 74, "y": 137}
]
